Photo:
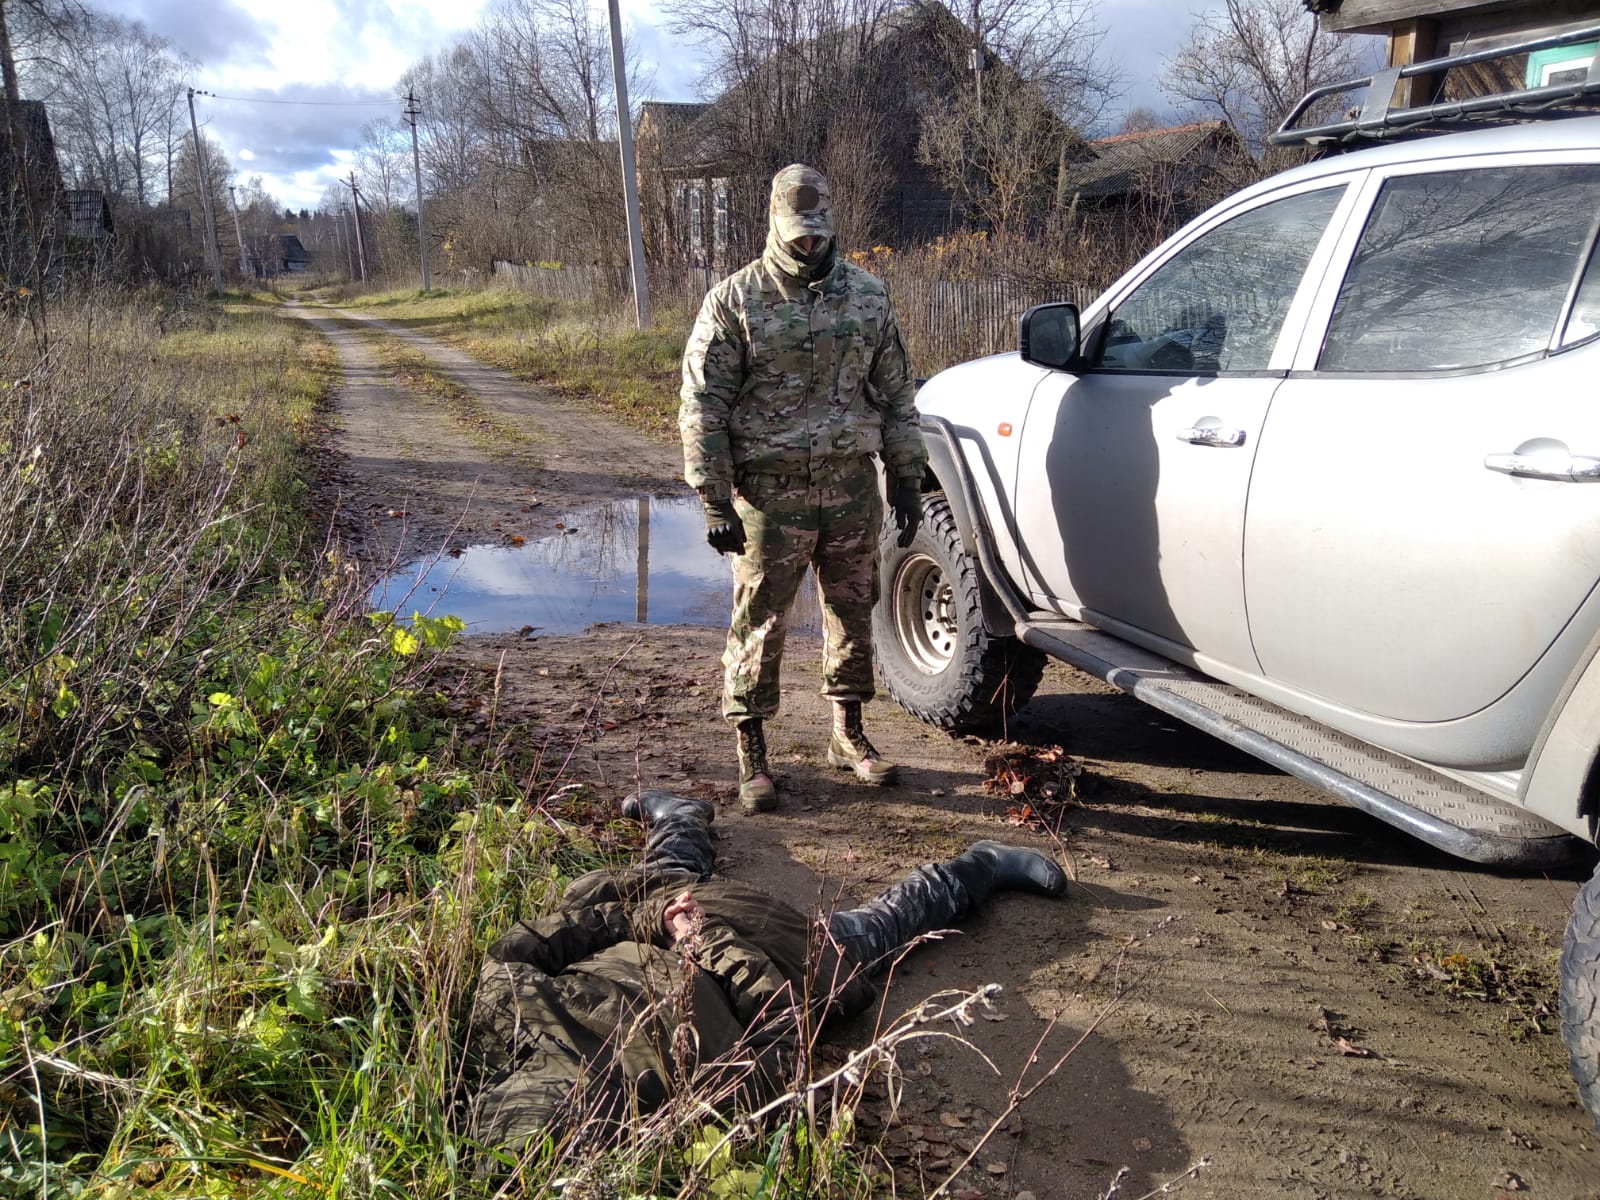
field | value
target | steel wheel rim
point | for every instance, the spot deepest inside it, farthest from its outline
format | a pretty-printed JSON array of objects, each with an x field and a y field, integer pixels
[{"x": 924, "y": 613}]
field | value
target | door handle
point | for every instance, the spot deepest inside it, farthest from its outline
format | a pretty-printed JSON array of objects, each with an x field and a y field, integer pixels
[
  {"x": 1571, "y": 468},
  {"x": 1211, "y": 435}
]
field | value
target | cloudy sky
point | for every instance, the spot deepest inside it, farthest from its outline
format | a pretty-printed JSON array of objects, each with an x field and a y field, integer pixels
[{"x": 346, "y": 56}]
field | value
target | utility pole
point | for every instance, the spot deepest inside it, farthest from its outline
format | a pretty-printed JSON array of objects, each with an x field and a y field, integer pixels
[
  {"x": 345, "y": 242},
  {"x": 630, "y": 176},
  {"x": 355, "y": 219},
  {"x": 205, "y": 198},
  {"x": 412, "y": 113},
  {"x": 976, "y": 57},
  {"x": 244, "y": 259}
]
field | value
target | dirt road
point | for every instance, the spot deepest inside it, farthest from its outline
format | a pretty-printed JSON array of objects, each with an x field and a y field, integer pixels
[{"x": 1247, "y": 975}]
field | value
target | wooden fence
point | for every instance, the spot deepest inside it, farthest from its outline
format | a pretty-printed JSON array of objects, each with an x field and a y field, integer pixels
[{"x": 945, "y": 321}]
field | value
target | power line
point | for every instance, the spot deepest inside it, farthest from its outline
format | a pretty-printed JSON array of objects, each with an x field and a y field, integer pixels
[{"x": 313, "y": 103}]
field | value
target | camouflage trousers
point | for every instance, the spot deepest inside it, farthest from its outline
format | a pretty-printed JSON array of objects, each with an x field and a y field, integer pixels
[{"x": 828, "y": 521}]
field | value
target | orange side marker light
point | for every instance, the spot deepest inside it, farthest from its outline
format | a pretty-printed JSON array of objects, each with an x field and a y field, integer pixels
[{"x": 1005, "y": 428}]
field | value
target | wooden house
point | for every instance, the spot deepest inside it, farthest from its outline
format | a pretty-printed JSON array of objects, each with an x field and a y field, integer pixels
[
  {"x": 1179, "y": 166},
  {"x": 33, "y": 206},
  {"x": 89, "y": 216},
  {"x": 704, "y": 190}
]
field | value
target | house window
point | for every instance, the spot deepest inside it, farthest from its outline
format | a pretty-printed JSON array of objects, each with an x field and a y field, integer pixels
[
  {"x": 697, "y": 225},
  {"x": 719, "y": 221},
  {"x": 680, "y": 215}
]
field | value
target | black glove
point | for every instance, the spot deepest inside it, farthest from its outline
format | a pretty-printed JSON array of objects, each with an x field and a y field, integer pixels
[
  {"x": 724, "y": 530},
  {"x": 906, "y": 501}
]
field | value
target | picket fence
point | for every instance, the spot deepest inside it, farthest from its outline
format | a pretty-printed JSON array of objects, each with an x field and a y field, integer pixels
[{"x": 945, "y": 321}]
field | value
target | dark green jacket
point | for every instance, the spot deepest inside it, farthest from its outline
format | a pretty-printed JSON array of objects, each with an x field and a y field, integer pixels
[{"x": 575, "y": 1013}]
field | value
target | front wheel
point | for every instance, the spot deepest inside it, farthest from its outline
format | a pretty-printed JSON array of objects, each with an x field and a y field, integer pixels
[
  {"x": 1580, "y": 994},
  {"x": 937, "y": 660}
]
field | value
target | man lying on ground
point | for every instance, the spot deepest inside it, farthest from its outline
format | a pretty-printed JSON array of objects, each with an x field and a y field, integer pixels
[{"x": 648, "y": 982}]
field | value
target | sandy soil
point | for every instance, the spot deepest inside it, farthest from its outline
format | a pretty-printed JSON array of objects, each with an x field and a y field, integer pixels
[{"x": 1246, "y": 974}]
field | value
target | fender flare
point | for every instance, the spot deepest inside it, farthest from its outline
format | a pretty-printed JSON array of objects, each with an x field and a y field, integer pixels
[
  {"x": 1003, "y": 609},
  {"x": 1562, "y": 779}
]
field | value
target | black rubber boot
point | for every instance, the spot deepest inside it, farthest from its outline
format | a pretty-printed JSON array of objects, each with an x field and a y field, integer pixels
[
  {"x": 989, "y": 867},
  {"x": 927, "y": 899},
  {"x": 654, "y": 804},
  {"x": 935, "y": 894},
  {"x": 679, "y": 831}
]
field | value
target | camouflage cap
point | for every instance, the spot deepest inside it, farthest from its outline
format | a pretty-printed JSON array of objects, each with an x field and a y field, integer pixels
[{"x": 801, "y": 205}]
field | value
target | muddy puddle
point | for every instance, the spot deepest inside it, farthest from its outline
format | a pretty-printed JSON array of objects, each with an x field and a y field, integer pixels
[{"x": 639, "y": 561}]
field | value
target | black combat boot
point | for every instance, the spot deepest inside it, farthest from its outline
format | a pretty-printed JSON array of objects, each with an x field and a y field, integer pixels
[
  {"x": 850, "y": 750},
  {"x": 679, "y": 831},
  {"x": 757, "y": 792}
]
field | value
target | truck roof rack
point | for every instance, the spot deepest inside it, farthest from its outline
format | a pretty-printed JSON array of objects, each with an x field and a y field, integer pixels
[{"x": 1376, "y": 119}]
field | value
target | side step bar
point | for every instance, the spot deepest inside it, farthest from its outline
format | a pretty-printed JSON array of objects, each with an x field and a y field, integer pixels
[{"x": 1432, "y": 807}]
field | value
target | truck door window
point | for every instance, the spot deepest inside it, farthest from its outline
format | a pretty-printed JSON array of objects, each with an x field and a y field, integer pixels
[
  {"x": 1218, "y": 304},
  {"x": 1462, "y": 269}
]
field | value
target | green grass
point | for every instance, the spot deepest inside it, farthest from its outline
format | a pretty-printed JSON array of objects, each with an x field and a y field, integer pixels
[{"x": 631, "y": 374}]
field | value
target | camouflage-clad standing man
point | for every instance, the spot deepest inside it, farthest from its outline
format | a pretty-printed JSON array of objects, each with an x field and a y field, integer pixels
[{"x": 794, "y": 379}]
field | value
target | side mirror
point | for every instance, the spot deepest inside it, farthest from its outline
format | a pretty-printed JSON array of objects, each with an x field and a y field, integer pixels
[{"x": 1049, "y": 335}]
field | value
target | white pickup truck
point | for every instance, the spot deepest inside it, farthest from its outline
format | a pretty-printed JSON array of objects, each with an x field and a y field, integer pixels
[{"x": 1321, "y": 476}]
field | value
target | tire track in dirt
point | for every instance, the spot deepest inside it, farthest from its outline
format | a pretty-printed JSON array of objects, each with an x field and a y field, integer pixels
[
  {"x": 587, "y": 456},
  {"x": 409, "y": 482}
]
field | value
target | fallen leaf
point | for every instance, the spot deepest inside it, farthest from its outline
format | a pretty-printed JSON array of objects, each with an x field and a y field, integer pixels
[
  {"x": 1350, "y": 1050},
  {"x": 516, "y": 539},
  {"x": 996, "y": 1169},
  {"x": 1142, "y": 1144},
  {"x": 950, "y": 1120}
]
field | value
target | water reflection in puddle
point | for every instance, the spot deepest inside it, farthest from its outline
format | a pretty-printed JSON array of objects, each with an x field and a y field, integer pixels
[{"x": 643, "y": 561}]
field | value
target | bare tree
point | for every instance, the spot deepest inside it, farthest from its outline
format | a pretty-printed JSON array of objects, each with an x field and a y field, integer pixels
[
  {"x": 1052, "y": 45},
  {"x": 383, "y": 164},
  {"x": 790, "y": 67},
  {"x": 1000, "y": 157},
  {"x": 113, "y": 88},
  {"x": 1251, "y": 61}
]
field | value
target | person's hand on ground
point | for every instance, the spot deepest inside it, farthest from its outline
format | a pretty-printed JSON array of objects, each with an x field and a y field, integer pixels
[{"x": 683, "y": 916}]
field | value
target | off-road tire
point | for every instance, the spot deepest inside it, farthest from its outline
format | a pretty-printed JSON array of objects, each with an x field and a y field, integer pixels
[
  {"x": 1580, "y": 994},
  {"x": 984, "y": 677}
]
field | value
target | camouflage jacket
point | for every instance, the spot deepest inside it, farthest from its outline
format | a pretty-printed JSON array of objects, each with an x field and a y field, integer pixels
[
  {"x": 780, "y": 376},
  {"x": 574, "y": 1018}
]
